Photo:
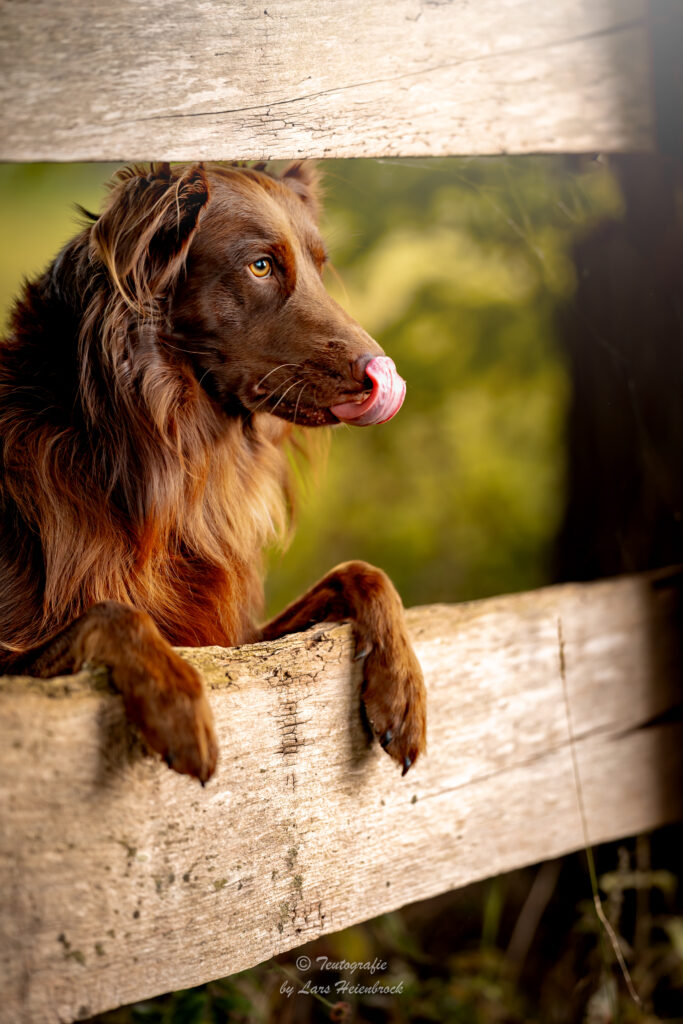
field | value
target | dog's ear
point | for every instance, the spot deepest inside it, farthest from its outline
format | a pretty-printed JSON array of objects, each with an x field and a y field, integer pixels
[
  {"x": 303, "y": 177},
  {"x": 144, "y": 232}
]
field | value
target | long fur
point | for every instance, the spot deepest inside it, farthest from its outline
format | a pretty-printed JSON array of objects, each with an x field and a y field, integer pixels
[{"x": 181, "y": 500}]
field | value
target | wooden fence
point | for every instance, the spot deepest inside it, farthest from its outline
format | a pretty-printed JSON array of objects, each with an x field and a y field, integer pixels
[
  {"x": 120, "y": 879},
  {"x": 95, "y": 80}
]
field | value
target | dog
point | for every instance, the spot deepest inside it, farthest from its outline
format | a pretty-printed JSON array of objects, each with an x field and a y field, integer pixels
[{"x": 149, "y": 385}]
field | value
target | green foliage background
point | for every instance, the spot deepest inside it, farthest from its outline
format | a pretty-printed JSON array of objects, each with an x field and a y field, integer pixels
[{"x": 457, "y": 268}]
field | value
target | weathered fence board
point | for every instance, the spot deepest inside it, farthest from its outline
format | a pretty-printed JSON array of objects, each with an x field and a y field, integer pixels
[
  {"x": 95, "y": 80},
  {"x": 120, "y": 879}
]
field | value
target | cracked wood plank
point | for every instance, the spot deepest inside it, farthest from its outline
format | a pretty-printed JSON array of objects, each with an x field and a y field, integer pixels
[
  {"x": 120, "y": 880},
  {"x": 227, "y": 79}
]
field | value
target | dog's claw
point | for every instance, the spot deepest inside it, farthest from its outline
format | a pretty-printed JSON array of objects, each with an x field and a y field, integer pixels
[{"x": 394, "y": 698}]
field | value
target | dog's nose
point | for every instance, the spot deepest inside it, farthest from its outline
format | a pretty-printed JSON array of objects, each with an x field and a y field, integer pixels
[{"x": 358, "y": 367}]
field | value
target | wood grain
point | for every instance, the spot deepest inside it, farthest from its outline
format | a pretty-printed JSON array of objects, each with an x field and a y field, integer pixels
[
  {"x": 120, "y": 880},
  {"x": 235, "y": 79}
]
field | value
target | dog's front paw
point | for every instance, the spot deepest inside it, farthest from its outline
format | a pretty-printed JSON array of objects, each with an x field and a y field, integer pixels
[
  {"x": 171, "y": 711},
  {"x": 395, "y": 701}
]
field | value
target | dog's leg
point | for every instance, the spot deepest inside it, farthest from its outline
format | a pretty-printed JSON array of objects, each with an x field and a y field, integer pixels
[
  {"x": 163, "y": 695},
  {"x": 393, "y": 691}
]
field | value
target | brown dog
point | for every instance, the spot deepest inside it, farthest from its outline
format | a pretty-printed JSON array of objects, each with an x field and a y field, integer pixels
[{"x": 147, "y": 392}]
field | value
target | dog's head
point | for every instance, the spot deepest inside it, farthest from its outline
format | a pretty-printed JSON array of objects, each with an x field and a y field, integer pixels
[{"x": 227, "y": 261}]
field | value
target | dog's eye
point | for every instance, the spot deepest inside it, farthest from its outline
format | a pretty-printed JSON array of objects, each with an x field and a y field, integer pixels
[{"x": 262, "y": 267}]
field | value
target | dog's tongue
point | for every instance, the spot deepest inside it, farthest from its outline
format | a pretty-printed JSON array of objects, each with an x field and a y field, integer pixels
[{"x": 383, "y": 402}]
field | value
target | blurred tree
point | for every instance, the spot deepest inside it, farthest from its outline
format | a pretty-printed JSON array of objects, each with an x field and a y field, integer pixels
[{"x": 622, "y": 332}]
